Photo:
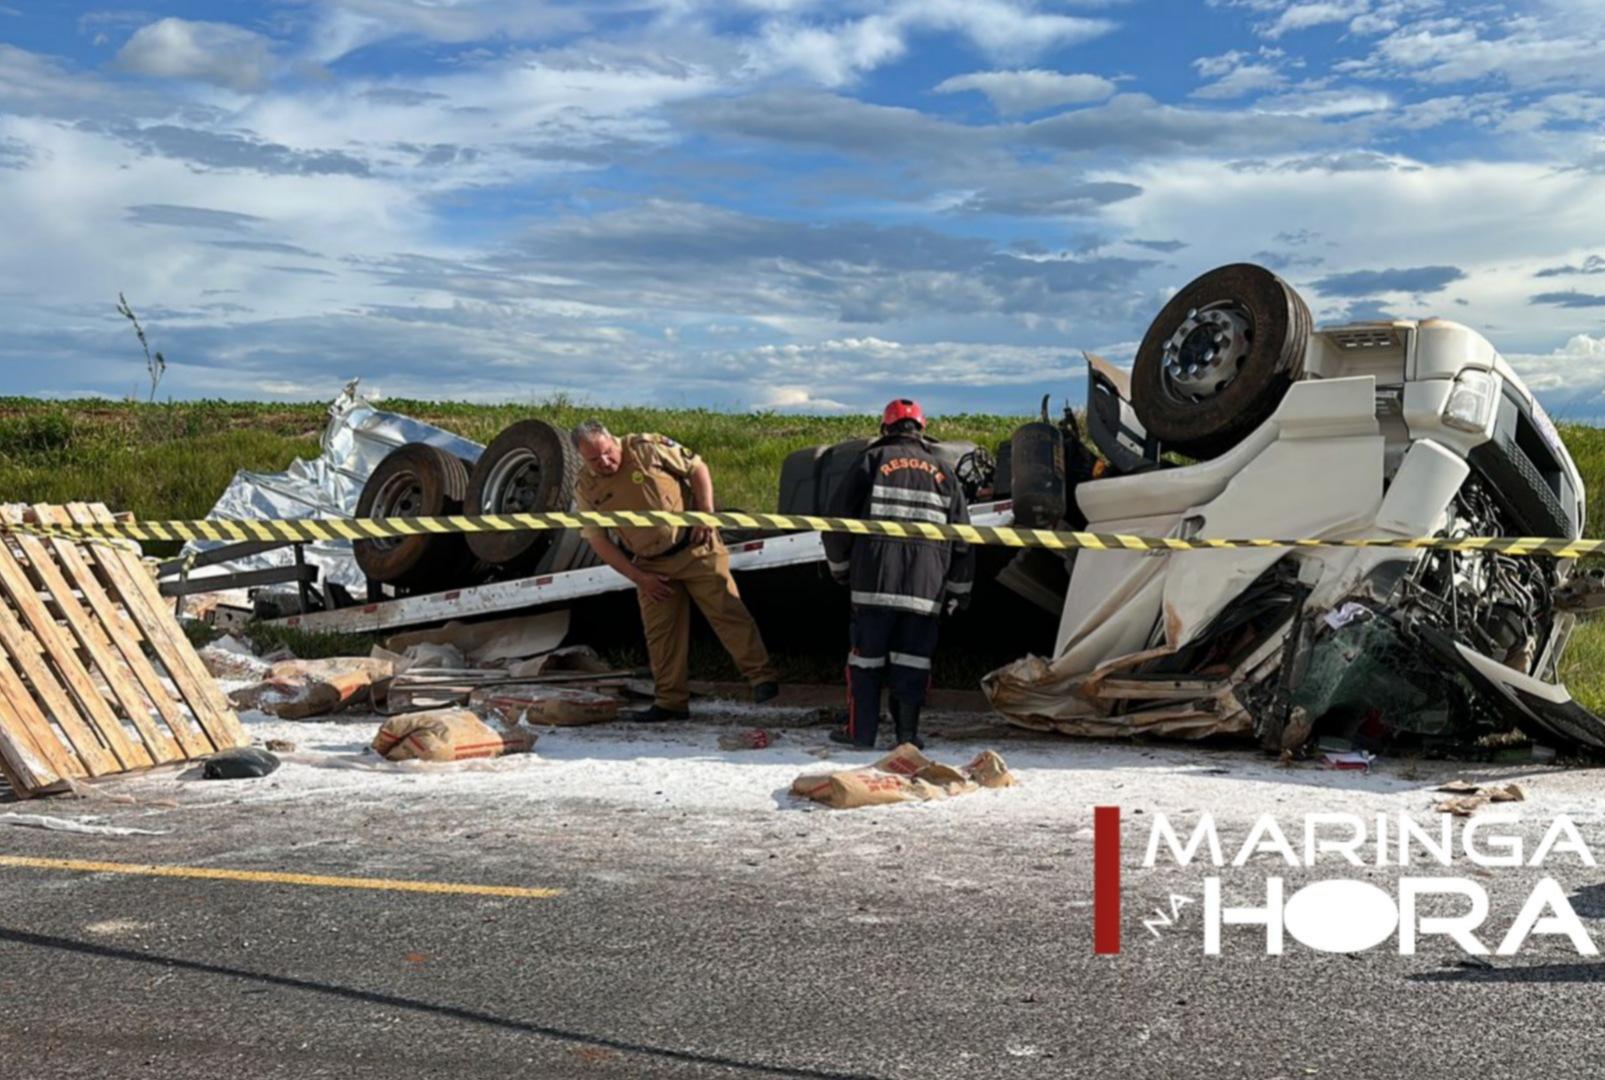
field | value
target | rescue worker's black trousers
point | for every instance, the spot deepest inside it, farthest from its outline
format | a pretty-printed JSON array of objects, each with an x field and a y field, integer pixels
[{"x": 889, "y": 647}]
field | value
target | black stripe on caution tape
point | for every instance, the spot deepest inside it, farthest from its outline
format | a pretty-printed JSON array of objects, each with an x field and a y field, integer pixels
[{"x": 309, "y": 529}]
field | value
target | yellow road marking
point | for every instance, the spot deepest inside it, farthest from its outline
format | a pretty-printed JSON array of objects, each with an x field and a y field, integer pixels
[{"x": 273, "y": 877}]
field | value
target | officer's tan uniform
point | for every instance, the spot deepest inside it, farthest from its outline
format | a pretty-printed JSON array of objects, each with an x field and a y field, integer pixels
[{"x": 654, "y": 474}]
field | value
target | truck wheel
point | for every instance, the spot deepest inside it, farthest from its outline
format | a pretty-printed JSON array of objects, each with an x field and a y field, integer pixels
[
  {"x": 530, "y": 468},
  {"x": 1218, "y": 359},
  {"x": 415, "y": 480}
]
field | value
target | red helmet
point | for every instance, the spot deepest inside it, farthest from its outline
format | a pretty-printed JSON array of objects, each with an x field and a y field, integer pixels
[{"x": 903, "y": 409}]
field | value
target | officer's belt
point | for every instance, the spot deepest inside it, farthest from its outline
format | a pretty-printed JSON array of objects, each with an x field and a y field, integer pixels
[{"x": 673, "y": 549}]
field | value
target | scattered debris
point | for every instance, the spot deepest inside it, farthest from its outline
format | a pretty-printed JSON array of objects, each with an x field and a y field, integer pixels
[
  {"x": 576, "y": 658},
  {"x": 422, "y": 656},
  {"x": 280, "y": 746},
  {"x": 415, "y": 691},
  {"x": 1469, "y": 796},
  {"x": 59, "y": 824},
  {"x": 1460, "y": 805},
  {"x": 904, "y": 775},
  {"x": 447, "y": 735},
  {"x": 554, "y": 705},
  {"x": 298, "y": 689},
  {"x": 1191, "y": 644},
  {"x": 242, "y": 763},
  {"x": 756, "y": 739},
  {"x": 1353, "y": 760},
  {"x": 230, "y": 658},
  {"x": 498, "y": 639},
  {"x": 96, "y": 677}
]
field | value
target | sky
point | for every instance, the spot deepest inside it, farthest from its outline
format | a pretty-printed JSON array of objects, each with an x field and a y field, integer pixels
[{"x": 787, "y": 205}]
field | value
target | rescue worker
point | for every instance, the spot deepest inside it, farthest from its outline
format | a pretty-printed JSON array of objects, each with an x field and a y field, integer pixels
[
  {"x": 670, "y": 566},
  {"x": 899, "y": 587}
]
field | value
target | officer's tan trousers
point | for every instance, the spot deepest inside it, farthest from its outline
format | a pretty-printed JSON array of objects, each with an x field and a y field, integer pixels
[{"x": 699, "y": 574}]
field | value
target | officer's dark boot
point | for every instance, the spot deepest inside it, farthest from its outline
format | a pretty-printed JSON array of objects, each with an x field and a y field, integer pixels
[{"x": 907, "y": 719}]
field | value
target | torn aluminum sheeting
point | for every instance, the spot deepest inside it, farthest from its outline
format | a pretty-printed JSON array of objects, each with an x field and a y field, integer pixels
[{"x": 358, "y": 437}]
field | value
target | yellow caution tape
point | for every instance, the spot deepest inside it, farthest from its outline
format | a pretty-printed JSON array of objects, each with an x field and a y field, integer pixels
[{"x": 309, "y": 529}]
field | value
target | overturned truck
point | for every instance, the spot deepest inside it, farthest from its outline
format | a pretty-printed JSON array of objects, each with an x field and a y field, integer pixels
[{"x": 1379, "y": 429}]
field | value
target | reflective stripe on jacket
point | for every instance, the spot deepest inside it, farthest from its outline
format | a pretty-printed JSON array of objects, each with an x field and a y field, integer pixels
[{"x": 900, "y": 478}]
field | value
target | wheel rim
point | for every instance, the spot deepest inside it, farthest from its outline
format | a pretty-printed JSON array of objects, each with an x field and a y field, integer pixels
[
  {"x": 1207, "y": 352},
  {"x": 514, "y": 484},
  {"x": 401, "y": 495}
]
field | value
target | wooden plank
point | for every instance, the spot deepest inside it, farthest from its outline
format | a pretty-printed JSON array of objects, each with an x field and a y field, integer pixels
[
  {"x": 87, "y": 630},
  {"x": 137, "y": 591},
  {"x": 63, "y": 654},
  {"x": 25, "y": 654},
  {"x": 32, "y": 755},
  {"x": 125, "y": 636}
]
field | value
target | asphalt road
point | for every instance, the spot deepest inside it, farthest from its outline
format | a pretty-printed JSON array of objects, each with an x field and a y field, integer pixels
[{"x": 695, "y": 943}]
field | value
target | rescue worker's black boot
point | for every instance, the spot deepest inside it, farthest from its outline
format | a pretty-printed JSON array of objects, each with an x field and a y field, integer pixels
[
  {"x": 657, "y": 714},
  {"x": 850, "y": 734},
  {"x": 907, "y": 719}
]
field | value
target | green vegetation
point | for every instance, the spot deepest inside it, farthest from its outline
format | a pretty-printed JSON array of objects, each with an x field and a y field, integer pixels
[{"x": 172, "y": 460}]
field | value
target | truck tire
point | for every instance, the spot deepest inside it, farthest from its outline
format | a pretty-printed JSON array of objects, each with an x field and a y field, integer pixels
[
  {"x": 530, "y": 468},
  {"x": 415, "y": 480},
  {"x": 1219, "y": 358},
  {"x": 809, "y": 477},
  {"x": 1037, "y": 475},
  {"x": 1003, "y": 479}
]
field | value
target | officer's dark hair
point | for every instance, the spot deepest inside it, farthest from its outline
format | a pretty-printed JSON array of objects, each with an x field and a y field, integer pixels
[
  {"x": 902, "y": 427},
  {"x": 586, "y": 430}
]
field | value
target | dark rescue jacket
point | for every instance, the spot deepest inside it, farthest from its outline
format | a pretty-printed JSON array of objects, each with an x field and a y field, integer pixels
[{"x": 901, "y": 478}]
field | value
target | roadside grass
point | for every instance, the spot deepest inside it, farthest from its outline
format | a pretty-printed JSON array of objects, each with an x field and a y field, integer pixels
[{"x": 172, "y": 460}]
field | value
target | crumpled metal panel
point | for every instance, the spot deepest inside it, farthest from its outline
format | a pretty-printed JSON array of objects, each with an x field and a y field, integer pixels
[{"x": 358, "y": 437}]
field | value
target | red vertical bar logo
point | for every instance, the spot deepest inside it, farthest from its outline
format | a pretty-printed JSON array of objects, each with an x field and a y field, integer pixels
[{"x": 1106, "y": 880}]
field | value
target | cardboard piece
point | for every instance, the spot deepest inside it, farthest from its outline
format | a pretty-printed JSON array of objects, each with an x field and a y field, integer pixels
[
  {"x": 447, "y": 735},
  {"x": 904, "y": 775},
  {"x": 496, "y": 639}
]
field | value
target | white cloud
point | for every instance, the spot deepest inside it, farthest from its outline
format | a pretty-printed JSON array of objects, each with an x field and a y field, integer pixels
[
  {"x": 1381, "y": 219},
  {"x": 345, "y": 26},
  {"x": 212, "y": 52},
  {"x": 1014, "y": 92},
  {"x": 798, "y": 399},
  {"x": 1239, "y": 73},
  {"x": 831, "y": 56},
  {"x": 1243, "y": 80},
  {"x": 1524, "y": 52},
  {"x": 1319, "y": 13},
  {"x": 1570, "y": 379},
  {"x": 835, "y": 54},
  {"x": 1326, "y": 103}
]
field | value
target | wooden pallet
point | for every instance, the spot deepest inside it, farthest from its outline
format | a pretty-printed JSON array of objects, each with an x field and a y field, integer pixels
[{"x": 96, "y": 677}]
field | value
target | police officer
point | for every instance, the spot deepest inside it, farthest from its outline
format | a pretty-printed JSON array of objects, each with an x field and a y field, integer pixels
[
  {"x": 899, "y": 587},
  {"x": 670, "y": 566}
]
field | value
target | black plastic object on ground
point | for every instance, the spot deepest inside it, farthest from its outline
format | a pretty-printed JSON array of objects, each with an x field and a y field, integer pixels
[
  {"x": 1219, "y": 358},
  {"x": 531, "y": 467},
  {"x": 415, "y": 480},
  {"x": 239, "y": 764}
]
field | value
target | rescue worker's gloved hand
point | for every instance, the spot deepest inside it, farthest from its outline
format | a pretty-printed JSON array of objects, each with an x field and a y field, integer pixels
[{"x": 957, "y": 603}]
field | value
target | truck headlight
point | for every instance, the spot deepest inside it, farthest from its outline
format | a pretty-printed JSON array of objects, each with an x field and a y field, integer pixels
[{"x": 1471, "y": 401}]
